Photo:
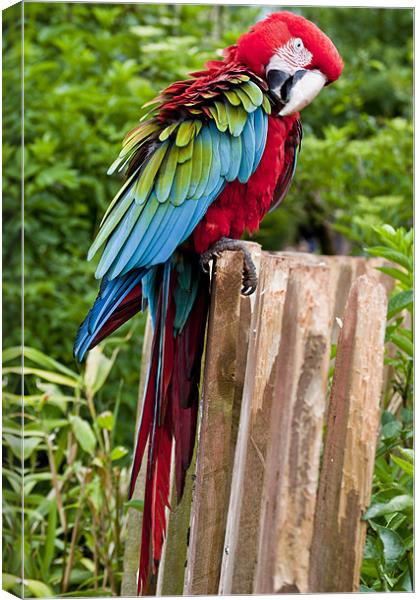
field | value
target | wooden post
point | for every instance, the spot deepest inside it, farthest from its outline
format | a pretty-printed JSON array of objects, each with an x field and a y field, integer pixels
[
  {"x": 242, "y": 528},
  {"x": 344, "y": 270},
  {"x": 172, "y": 568},
  {"x": 295, "y": 430},
  {"x": 349, "y": 453},
  {"x": 229, "y": 320},
  {"x": 134, "y": 517}
]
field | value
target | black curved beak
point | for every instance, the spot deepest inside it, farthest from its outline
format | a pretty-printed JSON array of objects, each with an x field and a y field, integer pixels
[
  {"x": 295, "y": 91},
  {"x": 281, "y": 83}
]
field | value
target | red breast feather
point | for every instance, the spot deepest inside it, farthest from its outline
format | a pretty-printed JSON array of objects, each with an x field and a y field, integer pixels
[{"x": 242, "y": 206}]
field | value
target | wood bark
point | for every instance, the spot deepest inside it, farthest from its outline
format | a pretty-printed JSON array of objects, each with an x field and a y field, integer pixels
[
  {"x": 224, "y": 369},
  {"x": 250, "y": 520},
  {"x": 242, "y": 529},
  {"x": 349, "y": 453},
  {"x": 295, "y": 430}
]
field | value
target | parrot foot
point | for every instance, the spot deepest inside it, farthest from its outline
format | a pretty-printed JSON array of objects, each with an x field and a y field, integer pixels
[{"x": 250, "y": 278}]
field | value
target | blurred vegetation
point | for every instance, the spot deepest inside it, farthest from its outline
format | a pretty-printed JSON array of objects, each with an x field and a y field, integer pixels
[
  {"x": 75, "y": 478},
  {"x": 88, "y": 69},
  {"x": 388, "y": 560}
]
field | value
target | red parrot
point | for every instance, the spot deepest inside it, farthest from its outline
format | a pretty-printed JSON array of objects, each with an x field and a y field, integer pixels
[{"x": 211, "y": 157}]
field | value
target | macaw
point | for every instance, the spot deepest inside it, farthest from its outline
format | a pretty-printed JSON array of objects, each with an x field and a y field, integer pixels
[{"x": 209, "y": 159}]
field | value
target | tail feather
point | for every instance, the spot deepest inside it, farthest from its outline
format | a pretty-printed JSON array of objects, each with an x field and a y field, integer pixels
[
  {"x": 170, "y": 404},
  {"x": 156, "y": 499},
  {"x": 177, "y": 293},
  {"x": 130, "y": 306},
  {"x": 113, "y": 294},
  {"x": 185, "y": 384}
]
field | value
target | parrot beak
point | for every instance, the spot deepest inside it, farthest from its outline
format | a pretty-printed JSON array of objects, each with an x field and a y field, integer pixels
[{"x": 295, "y": 91}]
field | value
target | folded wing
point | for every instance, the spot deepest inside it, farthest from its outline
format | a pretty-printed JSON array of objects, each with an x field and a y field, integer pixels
[{"x": 175, "y": 171}]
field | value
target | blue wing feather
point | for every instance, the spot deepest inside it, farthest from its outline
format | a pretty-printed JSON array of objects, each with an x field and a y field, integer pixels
[
  {"x": 248, "y": 153},
  {"x": 260, "y": 127},
  {"x": 111, "y": 294},
  {"x": 235, "y": 158},
  {"x": 148, "y": 235}
]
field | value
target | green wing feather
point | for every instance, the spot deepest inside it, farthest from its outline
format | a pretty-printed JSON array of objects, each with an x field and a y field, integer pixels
[
  {"x": 166, "y": 174},
  {"x": 233, "y": 97},
  {"x": 237, "y": 117},
  {"x": 185, "y": 133},
  {"x": 179, "y": 161},
  {"x": 186, "y": 152},
  {"x": 147, "y": 176},
  {"x": 254, "y": 93},
  {"x": 222, "y": 120},
  {"x": 181, "y": 183},
  {"x": 168, "y": 131},
  {"x": 206, "y": 160},
  {"x": 196, "y": 167}
]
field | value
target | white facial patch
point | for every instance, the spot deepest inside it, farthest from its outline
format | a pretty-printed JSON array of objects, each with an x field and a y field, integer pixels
[{"x": 290, "y": 57}]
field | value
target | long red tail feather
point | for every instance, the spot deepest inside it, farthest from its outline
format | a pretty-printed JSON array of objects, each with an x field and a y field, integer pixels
[
  {"x": 169, "y": 414},
  {"x": 127, "y": 309}
]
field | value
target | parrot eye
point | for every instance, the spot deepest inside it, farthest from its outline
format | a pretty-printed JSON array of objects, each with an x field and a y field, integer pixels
[{"x": 298, "y": 44}]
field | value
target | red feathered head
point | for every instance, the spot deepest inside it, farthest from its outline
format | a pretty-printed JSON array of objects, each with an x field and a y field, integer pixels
[
  {"x": 295, "y": 56},
  {"x": 267, "y": 37}
]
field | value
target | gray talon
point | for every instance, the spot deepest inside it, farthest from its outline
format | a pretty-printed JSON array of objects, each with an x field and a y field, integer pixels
[{"x": 250, "y": 279}]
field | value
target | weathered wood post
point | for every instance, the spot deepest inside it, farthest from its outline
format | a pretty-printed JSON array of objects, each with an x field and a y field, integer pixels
[
  {"x": 251, "y": 520},
  {"x": 242, "y": 528},
  {"x": 228, "y": 328},
  {"x": 295, "y": 430},
  {"x": 349, "y": 452}
]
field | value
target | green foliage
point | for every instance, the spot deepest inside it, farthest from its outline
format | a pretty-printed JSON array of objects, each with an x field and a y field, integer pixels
[
  {"x": 388, "y": 558},
  {"x": 372, "y": 184},
  {"x": 88, "y": 69},
  {"x": 72, "y": 475}
]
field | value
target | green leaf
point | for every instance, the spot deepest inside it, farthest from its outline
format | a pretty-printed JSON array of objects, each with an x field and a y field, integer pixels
[
  {"x": 106, "y": 420},
  {"x": 407, "y": 453},
  {"x": 51, "y": 536},
  {"x": 41, "y": 359},
  {"x": 118, "y": 452},
  {"x": 84, "y": 434},
  {"x": 88, "y": 564},
  {"x": 399, "y": 302},
  {"x": 8, "y": 581},
  {"x": 403, "y": 343},
  {"x": 406, "y": 466},
  {"x": 147, "y": 31},
  {"x": 398, "y": 503},
  {"x": 396, "y": 274},
  {"x": 47, "y": 375},
  {"x": 393, "y": 547},
  {"x": 39, "y": 589},
  {"x": 98, "y": 367},
  {"x": 391, "y": 429},
  {"x": 136, "y": 504},
  {"x": 16, "y": 444},
  {"x": 371, "y": 551},
  {"x": 392, "y": 255}
]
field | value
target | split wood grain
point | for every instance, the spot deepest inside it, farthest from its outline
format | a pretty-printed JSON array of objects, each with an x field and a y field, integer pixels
[
  {"x": 295, "y": 431},
  {"x": 349, "y": 453},
  {"x": 172, "y": 567},
  {"x": 224, "y": 369},
  {"x": 242, "y": 528}
]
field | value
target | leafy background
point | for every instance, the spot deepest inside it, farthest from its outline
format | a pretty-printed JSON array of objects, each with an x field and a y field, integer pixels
[{"x": 88, "y": 69}]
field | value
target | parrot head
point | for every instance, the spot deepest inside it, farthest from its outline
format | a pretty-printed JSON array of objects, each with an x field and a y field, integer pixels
[{"x": 293, "y": 55}]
